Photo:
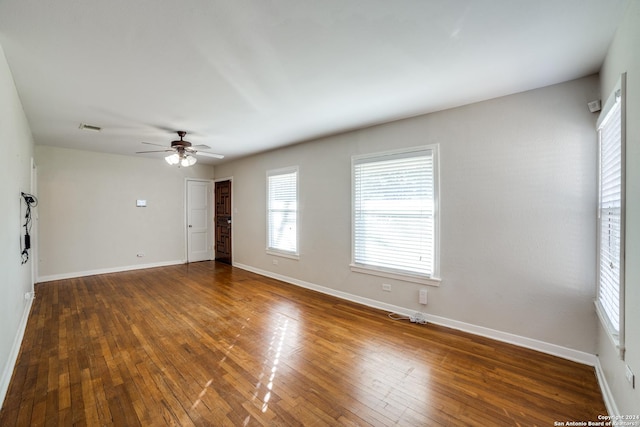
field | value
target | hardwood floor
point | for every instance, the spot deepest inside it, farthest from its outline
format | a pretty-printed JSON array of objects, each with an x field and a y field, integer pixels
[{"x": 208, "y": 344}]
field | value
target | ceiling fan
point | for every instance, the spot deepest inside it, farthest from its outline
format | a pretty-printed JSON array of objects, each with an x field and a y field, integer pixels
[{"x": 183, "y": 151}]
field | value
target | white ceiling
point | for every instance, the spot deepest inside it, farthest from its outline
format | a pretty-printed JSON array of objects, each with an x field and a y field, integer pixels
[{"x": 246, "y": 76}]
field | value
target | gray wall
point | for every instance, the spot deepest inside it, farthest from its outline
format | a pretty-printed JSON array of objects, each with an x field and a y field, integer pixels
[
  {"x": 624, "y": 56},
  {"x": 89, "y": 221},
  {"x": 518, "y": 190},
  {"x": 16, "y": 146}
]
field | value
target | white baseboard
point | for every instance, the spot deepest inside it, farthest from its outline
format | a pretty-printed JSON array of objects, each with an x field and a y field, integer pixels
[
  {"x": 607, "y": 395},
  {"x": 544, "y": 347},
  {"x": 7, "y": 372},
  {"x": 533, "y": 344},
  {"x": 73, "y": 275}
]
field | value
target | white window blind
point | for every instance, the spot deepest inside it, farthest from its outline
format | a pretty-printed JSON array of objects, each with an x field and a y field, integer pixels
[
  {"x": 282, "y": 211},
  {"x": 611, "y": 215},
  {"x": 394, "y": 212}
]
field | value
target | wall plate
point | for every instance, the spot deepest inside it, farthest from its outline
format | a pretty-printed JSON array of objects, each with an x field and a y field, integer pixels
[{"x": 628, "y": 373}]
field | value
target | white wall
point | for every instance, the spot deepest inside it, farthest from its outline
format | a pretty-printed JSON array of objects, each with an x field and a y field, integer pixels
[
  {"x": 16, "y": 146},
  {"x": 624, "y": 56},
  {"x": 518, "y": 179},
  {"x": 88, "y": 219}
]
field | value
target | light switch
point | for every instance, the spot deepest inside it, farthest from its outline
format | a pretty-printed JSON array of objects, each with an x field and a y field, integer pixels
[{"x": 141, "y": 203}]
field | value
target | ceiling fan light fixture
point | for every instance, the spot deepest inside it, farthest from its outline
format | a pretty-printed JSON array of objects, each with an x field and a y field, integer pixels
[
  {"x": 172, "y": 159},
  {"x": 187, "y": 161}
]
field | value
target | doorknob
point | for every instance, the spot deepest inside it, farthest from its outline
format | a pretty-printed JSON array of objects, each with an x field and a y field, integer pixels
[{"x": 190, "y": 225}]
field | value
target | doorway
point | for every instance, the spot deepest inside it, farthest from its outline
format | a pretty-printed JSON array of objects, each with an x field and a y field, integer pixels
[
  {"x": 223, "y": 221},
  {"x": 198, "y": 220}
]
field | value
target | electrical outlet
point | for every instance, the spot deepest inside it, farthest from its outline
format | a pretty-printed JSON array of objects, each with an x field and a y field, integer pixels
[
  {"x": 275, "y": 262},
  {"x": 630, "y": 377},
  {"x": 386, "y": 287}
]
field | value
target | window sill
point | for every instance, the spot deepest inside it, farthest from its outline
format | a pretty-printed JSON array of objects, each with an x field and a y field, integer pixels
[
  {"x": 282, "y": 254},
  {"x": 406, "y": 277}
]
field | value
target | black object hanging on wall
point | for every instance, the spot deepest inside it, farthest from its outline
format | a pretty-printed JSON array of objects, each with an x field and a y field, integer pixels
[{"x": 31, "y": 202}]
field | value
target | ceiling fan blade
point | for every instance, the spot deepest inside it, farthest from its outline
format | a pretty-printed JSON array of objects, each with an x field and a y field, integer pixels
[
  {"x": 202, "y": 147},
  {"x": 205, "y": 154},
  {"x": 154, "y": 151},
  {"x": 151, "y": 143}
]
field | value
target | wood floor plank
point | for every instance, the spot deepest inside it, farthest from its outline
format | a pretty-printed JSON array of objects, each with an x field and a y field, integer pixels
[{"x": 208, "y": 344}]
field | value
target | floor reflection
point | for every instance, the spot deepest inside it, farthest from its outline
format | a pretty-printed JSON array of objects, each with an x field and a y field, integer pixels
[{"x": 271, "y": 361}]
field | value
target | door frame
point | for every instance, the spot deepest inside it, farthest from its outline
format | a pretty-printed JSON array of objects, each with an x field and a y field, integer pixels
[
  {"x": 186, "y": 216},
  {"x": 233, "y": 212}
]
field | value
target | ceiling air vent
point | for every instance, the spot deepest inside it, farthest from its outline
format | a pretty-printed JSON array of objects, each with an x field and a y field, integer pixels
[{"x": 85, "y": 126}]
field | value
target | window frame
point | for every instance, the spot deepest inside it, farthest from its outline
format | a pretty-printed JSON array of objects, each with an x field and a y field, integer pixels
[
  {"x": 398, "y": 274},
  {"x": 617, "y": 337},
  {"x": 295, "y": 254}
]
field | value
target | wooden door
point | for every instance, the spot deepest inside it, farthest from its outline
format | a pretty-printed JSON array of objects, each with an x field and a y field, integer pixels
[
  {"x": 223, "y": 221},
  {"x": 198, "y": 221}
]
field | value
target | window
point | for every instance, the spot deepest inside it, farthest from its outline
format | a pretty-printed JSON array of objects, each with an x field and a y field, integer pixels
[
  {"x": 611, "y": 183},
  {"x": 282, "y": 212},
  {"x": 395, "y": 214}
]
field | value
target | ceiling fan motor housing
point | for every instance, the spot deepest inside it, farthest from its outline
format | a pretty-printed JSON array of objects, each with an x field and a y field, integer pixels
[{"x": 180, "y": 144}]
